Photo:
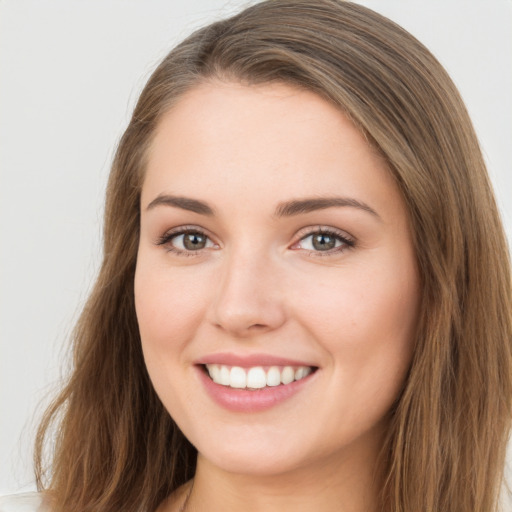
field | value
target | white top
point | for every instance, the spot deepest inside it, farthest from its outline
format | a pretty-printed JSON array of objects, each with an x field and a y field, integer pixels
[{"x": 26, "y": 502}]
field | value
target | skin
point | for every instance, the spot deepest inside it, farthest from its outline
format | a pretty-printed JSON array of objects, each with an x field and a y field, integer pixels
[{"x": 260, "y": 286}]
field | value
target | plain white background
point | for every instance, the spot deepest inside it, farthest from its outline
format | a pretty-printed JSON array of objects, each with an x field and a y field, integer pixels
[{"x": 70, "y": 72}]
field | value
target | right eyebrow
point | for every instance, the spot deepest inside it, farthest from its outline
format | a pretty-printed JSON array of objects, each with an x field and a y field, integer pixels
[{"x": 185, "y": 203}]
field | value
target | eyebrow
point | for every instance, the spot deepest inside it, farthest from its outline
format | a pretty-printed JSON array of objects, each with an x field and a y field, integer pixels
[
  {"x": 307, "y": 205},
  {"x": 285, "y": 209},
  {"x": 185, "y": 203}
]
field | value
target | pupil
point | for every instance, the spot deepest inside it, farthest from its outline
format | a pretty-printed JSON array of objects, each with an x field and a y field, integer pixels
[
  {"x": 194, "y": 241},
  {"x": 323, "y": 242}
]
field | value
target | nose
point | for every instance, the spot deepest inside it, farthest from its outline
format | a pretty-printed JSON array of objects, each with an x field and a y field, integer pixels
[{"x": 249, "y": 297}]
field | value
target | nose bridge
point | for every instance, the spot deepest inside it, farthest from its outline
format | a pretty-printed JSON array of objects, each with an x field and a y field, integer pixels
[{"x": 248, "y": 297}]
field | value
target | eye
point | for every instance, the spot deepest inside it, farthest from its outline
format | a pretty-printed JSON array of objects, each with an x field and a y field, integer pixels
[
  {"x": 186, "y": 241},
  {"x": 326, "y": 241}
]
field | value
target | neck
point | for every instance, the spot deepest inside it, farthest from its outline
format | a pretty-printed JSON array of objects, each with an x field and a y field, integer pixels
[{"x": 347, "y": 482}]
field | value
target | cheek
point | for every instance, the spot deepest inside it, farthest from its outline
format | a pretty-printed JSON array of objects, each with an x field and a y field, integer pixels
[
  {"x": 362, "y": 308},
  {"x": 366, "y": 320},
  {"x": 169, "y": 308}
]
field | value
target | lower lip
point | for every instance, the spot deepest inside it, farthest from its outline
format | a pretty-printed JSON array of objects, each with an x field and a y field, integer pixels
[{"x": 247, "y": 400}]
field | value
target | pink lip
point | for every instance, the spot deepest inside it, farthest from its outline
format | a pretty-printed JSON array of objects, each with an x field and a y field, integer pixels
[
  {"x": 246, "y": 361},
  {"x": 246, "y": 400}
]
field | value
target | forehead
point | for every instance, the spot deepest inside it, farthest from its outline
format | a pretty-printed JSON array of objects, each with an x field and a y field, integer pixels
[{"x": 273, "y": 140}]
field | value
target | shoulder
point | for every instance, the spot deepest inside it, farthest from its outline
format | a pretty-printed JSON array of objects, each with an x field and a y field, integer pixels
[{"x": 26, "y": 502}]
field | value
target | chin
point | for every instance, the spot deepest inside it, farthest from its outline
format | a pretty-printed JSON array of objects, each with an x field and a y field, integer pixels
[{"x": 254, "y": 463}]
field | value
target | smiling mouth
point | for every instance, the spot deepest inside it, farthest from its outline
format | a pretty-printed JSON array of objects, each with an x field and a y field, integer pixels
[{"x": 256, "y": 377}]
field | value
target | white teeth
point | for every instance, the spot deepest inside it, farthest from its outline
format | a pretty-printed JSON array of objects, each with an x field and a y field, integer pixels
[
  {"x": 255, "y": 377},
  {"x": 301, "y": 372},
  {"x": 273, "y": 376},
  {"x": 287, "y": 375},
  {"x": 224, "y": 376},
  {"x": 238, "y": 377},
  {"x": 214, "y": 372}
]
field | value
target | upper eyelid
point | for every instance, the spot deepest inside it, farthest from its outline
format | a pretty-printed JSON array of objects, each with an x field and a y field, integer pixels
[
  {"x": 181, "y": 230},
  {"x": 300, "y": 234},
  {"x": 311, "y": 230},
  {"x": 165, "y": 240}
]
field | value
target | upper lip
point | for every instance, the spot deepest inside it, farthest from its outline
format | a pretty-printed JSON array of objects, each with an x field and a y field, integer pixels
[{"x": 250, "y": 360}]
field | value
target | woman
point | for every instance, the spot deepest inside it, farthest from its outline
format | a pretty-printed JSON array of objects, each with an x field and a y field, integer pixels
[{"x": 305, "y": 294}]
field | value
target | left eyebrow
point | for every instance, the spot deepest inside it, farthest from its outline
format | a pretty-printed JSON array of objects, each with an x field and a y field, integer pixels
[{"x": 307, "y": 205}]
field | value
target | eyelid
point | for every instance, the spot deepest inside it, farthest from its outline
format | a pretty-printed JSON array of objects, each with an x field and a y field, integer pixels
[
  {"x": 348, "y": 240},
  {"x": 165, "y": 239},
  {"x": 323, "y": 228}
]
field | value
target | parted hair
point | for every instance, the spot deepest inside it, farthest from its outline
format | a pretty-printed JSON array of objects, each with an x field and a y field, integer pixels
[{"x": 107, "y": 444}]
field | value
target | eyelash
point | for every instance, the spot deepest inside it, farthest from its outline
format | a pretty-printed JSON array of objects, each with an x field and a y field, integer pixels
[
  {"x": 166, "y": 238},
  {"x": 346, "y": 241}
]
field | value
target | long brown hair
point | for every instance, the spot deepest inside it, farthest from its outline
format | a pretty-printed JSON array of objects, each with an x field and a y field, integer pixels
[{"x": 114, "y": 445}]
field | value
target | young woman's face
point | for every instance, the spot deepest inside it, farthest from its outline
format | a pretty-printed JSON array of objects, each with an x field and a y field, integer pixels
[{"x": 275, "y": 253}]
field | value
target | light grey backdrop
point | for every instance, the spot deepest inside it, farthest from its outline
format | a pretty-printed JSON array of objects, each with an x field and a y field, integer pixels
[{"x": 70, "y": 72}]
